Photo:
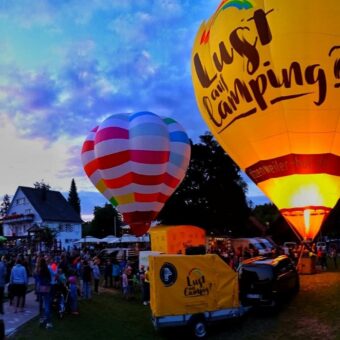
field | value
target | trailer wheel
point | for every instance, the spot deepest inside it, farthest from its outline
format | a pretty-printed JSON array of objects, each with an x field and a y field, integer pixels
[{"x": 198, "y": 327}]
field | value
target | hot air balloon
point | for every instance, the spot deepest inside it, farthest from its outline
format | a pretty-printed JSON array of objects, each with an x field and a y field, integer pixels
[
  {"x": 91, "y": 166},
  {"x": 141, "y": 159},
  {"x": 266, "y": 79}
]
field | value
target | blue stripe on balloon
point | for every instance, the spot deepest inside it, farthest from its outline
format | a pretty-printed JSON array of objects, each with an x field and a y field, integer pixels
[
  {"x": 148, "y": 129},
  {"x": 179, "y": 136},
  {"x": 139, "y": 114},
  {"x": 176, "y": 159}
]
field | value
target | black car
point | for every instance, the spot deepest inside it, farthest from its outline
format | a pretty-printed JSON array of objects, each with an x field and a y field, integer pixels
[{"x": 267, "y": 281}]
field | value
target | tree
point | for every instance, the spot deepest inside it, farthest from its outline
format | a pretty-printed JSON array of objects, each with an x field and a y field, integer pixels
[
  {"x": 266, "y": 213},
  {"x": 73, "y": 198},
  {"x": 331, "y": 225},
  {"x": 106, "y": 221},
  {"x": 47, "y": 236},
  {"x": 212, "y": 194},
  {"x": 5, "y": 205},
  {"x": 41, "y": 185}
]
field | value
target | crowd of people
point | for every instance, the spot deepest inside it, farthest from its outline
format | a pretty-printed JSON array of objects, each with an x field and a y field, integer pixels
[
  {"x": 235, "y": 256},
  {"x": 60, "y": 280}
]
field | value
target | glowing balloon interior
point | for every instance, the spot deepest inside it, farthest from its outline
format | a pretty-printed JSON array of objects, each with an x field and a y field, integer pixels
[
  {"x": 137, "y": 161},
  {"x": 266, "y": 75}
]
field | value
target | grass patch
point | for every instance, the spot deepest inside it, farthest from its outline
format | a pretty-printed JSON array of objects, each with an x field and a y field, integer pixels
[
  {"x": 106, "y": 316},
  {"x": 312, "y": 314}
]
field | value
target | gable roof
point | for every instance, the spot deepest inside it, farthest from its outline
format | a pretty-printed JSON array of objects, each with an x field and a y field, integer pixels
[{"x": 51, "y": 205}]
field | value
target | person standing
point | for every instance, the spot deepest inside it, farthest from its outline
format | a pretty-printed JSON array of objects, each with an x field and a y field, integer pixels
[
  {"x": 116, "y": 274},
  {"x": 87, "y": 279},
  {"x": 19, "y": 281},
  {"x": 45, "y": 278},
  {"x": 73, "y": 295},
  {"x": 108, "y": 273},
  {"x": 333, "y": 255},
  {"x": 3, "y": 272},
  {"x": 96, "y": 275},
  {"x": 146, "y": 287}
]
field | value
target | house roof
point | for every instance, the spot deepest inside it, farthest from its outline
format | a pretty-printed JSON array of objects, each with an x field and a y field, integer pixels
[{"x": 51, "y": 205}]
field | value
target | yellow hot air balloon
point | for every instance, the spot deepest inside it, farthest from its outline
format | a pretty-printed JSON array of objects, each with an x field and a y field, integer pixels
[{"x": 266, "y": 75}]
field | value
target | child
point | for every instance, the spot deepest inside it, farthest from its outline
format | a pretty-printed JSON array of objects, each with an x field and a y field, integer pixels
[{"x": 73, "y": 295}]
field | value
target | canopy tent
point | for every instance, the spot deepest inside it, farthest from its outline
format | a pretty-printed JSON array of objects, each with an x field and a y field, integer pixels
[
  {"x": 110, "y": 239},
  {"x": 127, "y": 238},
  {"x": 88, "y": 239}
]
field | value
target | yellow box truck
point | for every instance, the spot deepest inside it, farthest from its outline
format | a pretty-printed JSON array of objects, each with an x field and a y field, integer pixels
[
  {"x": 176, "y": 239},
  {"x": 192, "y": 290}
]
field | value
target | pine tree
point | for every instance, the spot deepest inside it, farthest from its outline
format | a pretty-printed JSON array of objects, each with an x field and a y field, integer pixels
[
  {"x": 5, "y": 205},
  {"x": 73, "y": 197}
]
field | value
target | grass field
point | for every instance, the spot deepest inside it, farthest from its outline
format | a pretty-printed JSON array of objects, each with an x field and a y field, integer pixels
[{"x": 313, "y": 314}]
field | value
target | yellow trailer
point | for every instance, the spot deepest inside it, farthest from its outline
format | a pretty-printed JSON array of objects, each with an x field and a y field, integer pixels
[{"x": 192, "y": 290}]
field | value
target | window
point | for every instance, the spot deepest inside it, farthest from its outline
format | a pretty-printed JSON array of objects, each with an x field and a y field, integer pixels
[
  {"x": 67, "y": 228},
  {"x": 19, "y": 201},
  {"x": 28, "y": 211}
]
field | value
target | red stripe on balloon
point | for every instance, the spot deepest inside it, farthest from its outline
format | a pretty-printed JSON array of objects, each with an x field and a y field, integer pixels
[
  {"x": 111, "y": 133},
  {"x": 139, "y": 216},
  {"x": 138, "y": 156},
  {"x": 91, "y": 167},
  {"x": 314, "y": 210},
  {"x": 294, "y": 164},
  {"x": 156, "y": 197},
  {"x": 88, "y": 146},
  {"x": 134, "y": 178}
]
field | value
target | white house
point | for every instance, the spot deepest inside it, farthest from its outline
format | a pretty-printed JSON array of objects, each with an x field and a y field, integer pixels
[{"x": 40, "y": 207}]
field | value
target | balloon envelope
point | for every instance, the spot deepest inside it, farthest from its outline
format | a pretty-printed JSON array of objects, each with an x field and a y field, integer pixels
[
  {"x": 141, "y": 159},
  {"x": 266, "y": 79},
  {"x": 90, "y": 165}
]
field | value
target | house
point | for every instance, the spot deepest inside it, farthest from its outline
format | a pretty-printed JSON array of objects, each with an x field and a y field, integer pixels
[{"x": 31, "y": 207}]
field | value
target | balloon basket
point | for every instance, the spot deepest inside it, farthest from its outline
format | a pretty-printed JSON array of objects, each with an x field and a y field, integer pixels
[{"x": 306, "y": 263}]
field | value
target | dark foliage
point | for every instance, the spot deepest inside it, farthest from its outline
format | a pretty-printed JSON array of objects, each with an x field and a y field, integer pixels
[
  {"x": 212, "y": 194},
  {"x": 106, "y": 221},
  {"x": 266, "y": 213},
  {"x": 331, "y": 225},
  {"x": 73, "y": 198},
  {"x": 4, "y": 205},
  {"x": 41, "y": 185}
]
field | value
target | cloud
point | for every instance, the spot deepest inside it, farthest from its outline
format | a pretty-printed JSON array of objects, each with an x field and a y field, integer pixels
[
  {"x": 93, "y": 59},
  {"x": 138, "y": 60}
]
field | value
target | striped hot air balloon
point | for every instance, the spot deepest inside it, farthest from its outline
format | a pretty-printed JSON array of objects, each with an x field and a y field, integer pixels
[
  {"x": 138, "y": 161},
  {"x": 266, "y": 78},
  {"x": 90, "y": 165}
]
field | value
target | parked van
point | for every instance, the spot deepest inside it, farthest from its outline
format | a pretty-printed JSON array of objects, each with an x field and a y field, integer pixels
[
  {"x": 249, "y": 243},
  {"x": 287, "y": 246},
  {"x": 265, "y": 243}
]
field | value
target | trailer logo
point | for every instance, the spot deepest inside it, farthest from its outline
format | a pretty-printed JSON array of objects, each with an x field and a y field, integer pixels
[
  {"x": 168, "y": 274},
  {"x": 196, "y": 284}
]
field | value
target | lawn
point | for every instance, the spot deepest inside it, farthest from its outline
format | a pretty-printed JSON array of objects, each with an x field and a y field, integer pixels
[{"x": 313, "y": 314}]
